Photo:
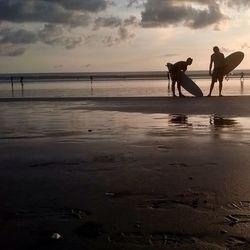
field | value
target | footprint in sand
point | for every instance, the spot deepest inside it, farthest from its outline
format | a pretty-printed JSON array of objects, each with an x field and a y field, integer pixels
[
  {"x": 239, "y": 212},
  {"x": 164, "y": 148},
  {"x": 197, "y": 199},
  {"x": 156, "y": 239},
  {"x": 179, "y": 165},
  {"x": 234, "y": 242}
]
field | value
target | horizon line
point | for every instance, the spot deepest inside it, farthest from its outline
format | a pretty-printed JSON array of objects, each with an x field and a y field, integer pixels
[{"x": 88, "y": 73}]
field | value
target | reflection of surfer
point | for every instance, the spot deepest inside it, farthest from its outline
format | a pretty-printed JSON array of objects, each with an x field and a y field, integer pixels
[
  {"x": 220, "y": 122},
  {"x": 178, "y": 119},
  {"x": 218, "y": 61},
  {"x": 175, "y": 70}
]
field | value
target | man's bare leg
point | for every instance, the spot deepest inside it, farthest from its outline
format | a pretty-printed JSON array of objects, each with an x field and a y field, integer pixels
[
  {"x": 179, "y": 90},
  {"x": 173, "y": 88},
  {"x": 211, "y": 88},
  {"x": 220, "y": 88}
]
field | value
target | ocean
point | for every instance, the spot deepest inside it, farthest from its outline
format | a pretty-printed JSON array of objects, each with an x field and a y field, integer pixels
[{"x": 114, "y": 88}]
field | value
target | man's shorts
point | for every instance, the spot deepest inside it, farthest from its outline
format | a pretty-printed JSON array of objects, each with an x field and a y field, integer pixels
[{"x": 218, "y": 74}]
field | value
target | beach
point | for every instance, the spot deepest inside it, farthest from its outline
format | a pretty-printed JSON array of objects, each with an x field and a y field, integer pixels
[{"x": 125, "y": 173}]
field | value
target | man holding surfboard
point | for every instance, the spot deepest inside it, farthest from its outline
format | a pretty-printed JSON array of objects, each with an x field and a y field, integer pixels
[
  {"x": 175, "y": 73},
  {"x": 218, "y": 61}
]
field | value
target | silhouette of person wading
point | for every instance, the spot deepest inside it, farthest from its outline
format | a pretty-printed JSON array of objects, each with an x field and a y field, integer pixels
[
  {"x": 175, "y": 73},
  {"x": 218, "y": 61}
]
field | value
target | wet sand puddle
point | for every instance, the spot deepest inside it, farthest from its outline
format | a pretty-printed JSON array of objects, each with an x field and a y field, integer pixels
[{"x": 45, "y": 121}]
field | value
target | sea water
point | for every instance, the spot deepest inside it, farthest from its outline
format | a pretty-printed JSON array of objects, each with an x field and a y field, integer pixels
[{"x": 115, "y": 88}]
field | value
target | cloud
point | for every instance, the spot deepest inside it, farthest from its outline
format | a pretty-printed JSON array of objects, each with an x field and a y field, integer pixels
[
  {"x": 54, "y": 35},
  {"x": 82, "y": 5},
  {"x": 131, "y": 21},
  {"x": 122, "y": 35},
  {"x": 58, "y": 66},
  {"x": 238, "y": 3},
  {"x": 10, "y": 50},
  {"x": 14, "y": 52},
  {"x": 21, "y": 36},
  {"x": 114, "y": 22},
  {"x": 161, "y": 13},
  {"x": 137, "y": 3},
  {"x": 226, "y": 50},
  {"x": 45, "y": 11},
  {"x": 170, "y": 55},
  {"x": 51, "y": 34},
  {"x": 245, "y": 46},
  {"x": 107, "y": 22}
]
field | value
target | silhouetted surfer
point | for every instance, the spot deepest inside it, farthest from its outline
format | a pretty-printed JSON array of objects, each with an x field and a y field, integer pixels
[
  {"x": 218, "y": 61},
  {"x": 12, "y": 85},
  {"x": 11, "y": 80},
  {"x": 174, "y": 70},
  {"x": 242, "y": 77},
  {"x": 21, "y": 81},
  {"x": 91, "y": 79}
]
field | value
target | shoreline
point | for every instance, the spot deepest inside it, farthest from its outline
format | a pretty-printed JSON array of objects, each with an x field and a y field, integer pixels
[
  {"x": 114, "y": 98},
  {"x": 110, "y": 76},
  {"x": 224, "y": 106}
]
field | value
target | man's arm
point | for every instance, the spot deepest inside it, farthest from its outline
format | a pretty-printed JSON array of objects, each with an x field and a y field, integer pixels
[
  {"x": 184, "y": 68},
  {"x": 210, "y": 66}
]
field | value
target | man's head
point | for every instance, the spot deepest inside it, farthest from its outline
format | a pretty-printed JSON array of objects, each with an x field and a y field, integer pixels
[
  {"x": 216, "y": 49},
  {"x": 189, "y": 61}
]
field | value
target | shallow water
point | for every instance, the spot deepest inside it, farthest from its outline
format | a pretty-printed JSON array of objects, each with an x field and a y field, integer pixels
[
  {"x": 71, "y": 122},
  {"x": 115, "y": 88}
]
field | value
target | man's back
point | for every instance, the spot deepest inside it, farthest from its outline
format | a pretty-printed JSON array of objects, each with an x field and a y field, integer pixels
[{"x": 179, "y": 66}]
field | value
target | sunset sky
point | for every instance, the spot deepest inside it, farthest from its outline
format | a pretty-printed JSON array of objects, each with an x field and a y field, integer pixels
[{"x": 119, "y": 35}]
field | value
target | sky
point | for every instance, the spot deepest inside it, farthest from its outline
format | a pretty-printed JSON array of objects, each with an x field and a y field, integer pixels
[{"x": 119, "y": 35}]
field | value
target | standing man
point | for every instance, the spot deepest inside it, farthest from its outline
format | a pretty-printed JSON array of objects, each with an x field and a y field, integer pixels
[
  {"x": 242, "y": 77},
  {"x": 175, "y": 70},
  {"x": 21, "y": 81},
  {"x": 218, "y": 61}
]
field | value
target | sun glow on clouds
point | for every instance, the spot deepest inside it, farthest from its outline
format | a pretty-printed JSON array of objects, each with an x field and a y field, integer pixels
[{"x": 131, "y": 35}]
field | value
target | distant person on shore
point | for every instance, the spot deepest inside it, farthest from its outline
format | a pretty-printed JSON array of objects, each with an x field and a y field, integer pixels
[
  {"x": 168, "y": 75},
  {"x": 11, "y": 80},
  {"x": 12, "y": 85},
  {"x": 91, "y": 79},
  {"x": 217, "y": 60},
  {"x": 241, "y": 77},
  {"x": 21, "y": 81},
  {"x": 175, "y": 70}
]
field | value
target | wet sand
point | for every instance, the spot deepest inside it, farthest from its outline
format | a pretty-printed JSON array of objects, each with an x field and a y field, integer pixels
[
  {"x": 226, "y": 105},
  {"x": 125, "y": 173}
]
